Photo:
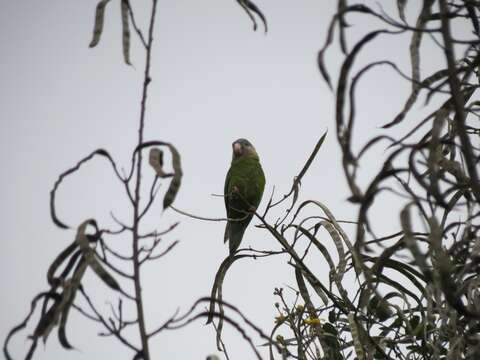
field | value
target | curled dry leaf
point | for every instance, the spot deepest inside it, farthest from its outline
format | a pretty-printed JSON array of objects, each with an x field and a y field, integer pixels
[
  {"x": 72, "y": 170},
  {"x": 125, "y": 31},
  {"x": 59, "y": 260},
  {"x": 99, "y": 18},
  {"x": 355, "y": 335},
  {"x": 49, "y": 319},
  {"x": 155, "y": 159},
  {"x": 90, "y": 256},
  {"x": 401, "y": 9},
  {"x": 177, "y": 178},
  {"x": 250, "y": 7},
  {"x": 72, "y": 286}
]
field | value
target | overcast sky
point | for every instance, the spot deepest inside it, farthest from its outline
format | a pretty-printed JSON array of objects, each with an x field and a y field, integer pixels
[{"x": 214, "y": 80}]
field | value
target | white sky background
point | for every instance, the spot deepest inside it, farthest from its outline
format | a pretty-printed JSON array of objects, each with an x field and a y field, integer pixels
[{"x": 214, "y": 80}]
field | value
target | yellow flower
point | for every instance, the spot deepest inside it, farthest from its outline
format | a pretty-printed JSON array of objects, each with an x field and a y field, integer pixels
[
  {"x": 279, "y": 319},
  {"x": 312, "y": 321}
]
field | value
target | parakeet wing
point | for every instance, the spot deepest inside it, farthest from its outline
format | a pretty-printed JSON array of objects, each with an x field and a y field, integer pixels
[{"x": 244, "y": 186}]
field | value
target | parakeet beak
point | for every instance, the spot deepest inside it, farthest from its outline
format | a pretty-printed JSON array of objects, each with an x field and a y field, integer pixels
[{"x": 237, "y": 149}]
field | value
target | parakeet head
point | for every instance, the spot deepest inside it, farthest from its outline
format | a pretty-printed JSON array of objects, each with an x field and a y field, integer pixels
[{"x": 243, "y": 147}]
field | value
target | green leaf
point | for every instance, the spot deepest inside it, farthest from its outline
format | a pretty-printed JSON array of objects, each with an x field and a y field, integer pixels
[
  {"x": 380, "y": 307},
  {"x": 331, "y": 316}
]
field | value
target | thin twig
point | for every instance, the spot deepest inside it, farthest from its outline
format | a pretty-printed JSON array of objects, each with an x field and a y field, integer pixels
[
  {"x": 137, "y": 29},
  {"x": 105, "y": 323},
  {"x": 136, "y": 208}
]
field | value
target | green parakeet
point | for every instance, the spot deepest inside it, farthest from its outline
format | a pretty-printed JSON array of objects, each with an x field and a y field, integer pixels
[{"x": 243, "y": 191}]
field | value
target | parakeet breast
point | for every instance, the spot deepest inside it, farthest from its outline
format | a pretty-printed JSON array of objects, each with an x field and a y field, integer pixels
[{"x": 248, "y": 178}]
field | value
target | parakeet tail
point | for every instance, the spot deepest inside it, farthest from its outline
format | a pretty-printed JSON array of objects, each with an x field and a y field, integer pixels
[{"x": 234, "y": 233}]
